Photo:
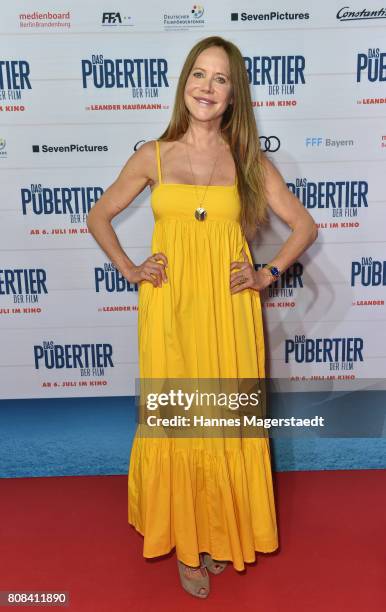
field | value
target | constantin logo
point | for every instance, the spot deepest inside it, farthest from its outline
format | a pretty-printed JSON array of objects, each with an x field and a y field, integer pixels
[
  {"x": 116, "y": 19},
  {"x": 269, "y": 143},
  {"x": 345, "y": 14}
]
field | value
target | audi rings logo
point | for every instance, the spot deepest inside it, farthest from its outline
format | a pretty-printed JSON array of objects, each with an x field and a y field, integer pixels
[
  {"x": 269, "y": 143},
  {"x": 139, "y": 144}
]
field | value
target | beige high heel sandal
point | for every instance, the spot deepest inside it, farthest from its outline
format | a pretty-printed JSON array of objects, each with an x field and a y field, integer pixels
[
  {"x": 215, "y": 567},
  {"x": 194, "y": 586}
]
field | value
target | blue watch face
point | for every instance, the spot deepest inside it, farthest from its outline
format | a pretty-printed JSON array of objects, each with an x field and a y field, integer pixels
[{"x": 275, "y": 271}]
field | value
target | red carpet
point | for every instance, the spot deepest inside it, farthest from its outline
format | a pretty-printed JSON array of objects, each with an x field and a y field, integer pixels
[{"x": 71, "y": 534}]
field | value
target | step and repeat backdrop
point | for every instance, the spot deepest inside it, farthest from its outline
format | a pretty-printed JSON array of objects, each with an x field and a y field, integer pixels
[{"x": 83, "y": 85}]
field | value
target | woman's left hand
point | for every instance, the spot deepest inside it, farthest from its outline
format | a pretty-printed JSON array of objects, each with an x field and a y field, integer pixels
[{"x": 247, "y": 276}]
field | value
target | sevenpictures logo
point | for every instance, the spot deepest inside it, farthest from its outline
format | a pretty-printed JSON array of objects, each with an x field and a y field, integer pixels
[
  {"x": 271, "y": 16},
  {"x": 72, "y": 148},
  {"x": 345, "y": 14}
]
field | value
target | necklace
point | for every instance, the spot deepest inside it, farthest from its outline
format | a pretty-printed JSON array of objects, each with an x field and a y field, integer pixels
[{"x": 200, "y": 213}]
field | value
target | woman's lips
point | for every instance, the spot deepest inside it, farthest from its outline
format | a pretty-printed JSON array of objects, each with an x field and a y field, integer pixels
[{"x": 204, "y": 101}]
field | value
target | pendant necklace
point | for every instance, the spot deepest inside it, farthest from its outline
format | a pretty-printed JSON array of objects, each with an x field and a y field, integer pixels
[{"x": 200, "y": 213}]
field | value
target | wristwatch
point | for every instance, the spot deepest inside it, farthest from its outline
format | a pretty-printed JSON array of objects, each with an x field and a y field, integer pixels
[{"x": 274, "y": 270}]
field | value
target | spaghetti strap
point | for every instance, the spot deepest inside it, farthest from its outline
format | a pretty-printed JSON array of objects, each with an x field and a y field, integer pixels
[{"x": 158, "y": 161}]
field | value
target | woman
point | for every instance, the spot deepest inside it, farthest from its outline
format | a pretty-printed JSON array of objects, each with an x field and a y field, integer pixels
[{"x": 200, "y": 312}]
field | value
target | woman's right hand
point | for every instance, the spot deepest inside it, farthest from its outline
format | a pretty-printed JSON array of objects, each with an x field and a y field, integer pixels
[{"x": 149, "y": 270}]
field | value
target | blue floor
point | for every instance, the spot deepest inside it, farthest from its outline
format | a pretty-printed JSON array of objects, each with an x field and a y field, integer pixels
[{"x": 92, "y": 436}]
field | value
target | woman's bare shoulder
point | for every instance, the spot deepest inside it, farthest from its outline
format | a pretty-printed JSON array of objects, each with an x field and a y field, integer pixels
[
  {"x": 168, "y": 146},
  {"x": 146, "y": 156},
  {"x": 148, "y": 149}
]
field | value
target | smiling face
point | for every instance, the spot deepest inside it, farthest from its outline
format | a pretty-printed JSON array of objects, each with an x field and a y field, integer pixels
[{"x": 208, "y": 89}]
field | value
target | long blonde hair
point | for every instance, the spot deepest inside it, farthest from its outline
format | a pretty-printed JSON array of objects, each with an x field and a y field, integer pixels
[{"x": 238, "y": 127}]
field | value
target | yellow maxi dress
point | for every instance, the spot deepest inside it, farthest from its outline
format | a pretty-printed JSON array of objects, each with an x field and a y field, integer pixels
[{"x": 200, "y": 494}]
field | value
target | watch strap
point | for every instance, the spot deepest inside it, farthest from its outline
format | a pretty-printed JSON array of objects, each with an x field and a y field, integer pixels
[{"x": 274, "y": 270}]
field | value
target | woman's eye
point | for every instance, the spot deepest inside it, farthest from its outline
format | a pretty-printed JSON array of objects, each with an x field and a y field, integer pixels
[{"x": 199, "y": 74}]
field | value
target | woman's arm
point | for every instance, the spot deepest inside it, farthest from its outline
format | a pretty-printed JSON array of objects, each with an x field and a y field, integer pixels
[
  {"x": 133, "y": 178},
  {"x": 289, "y": 208}
]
